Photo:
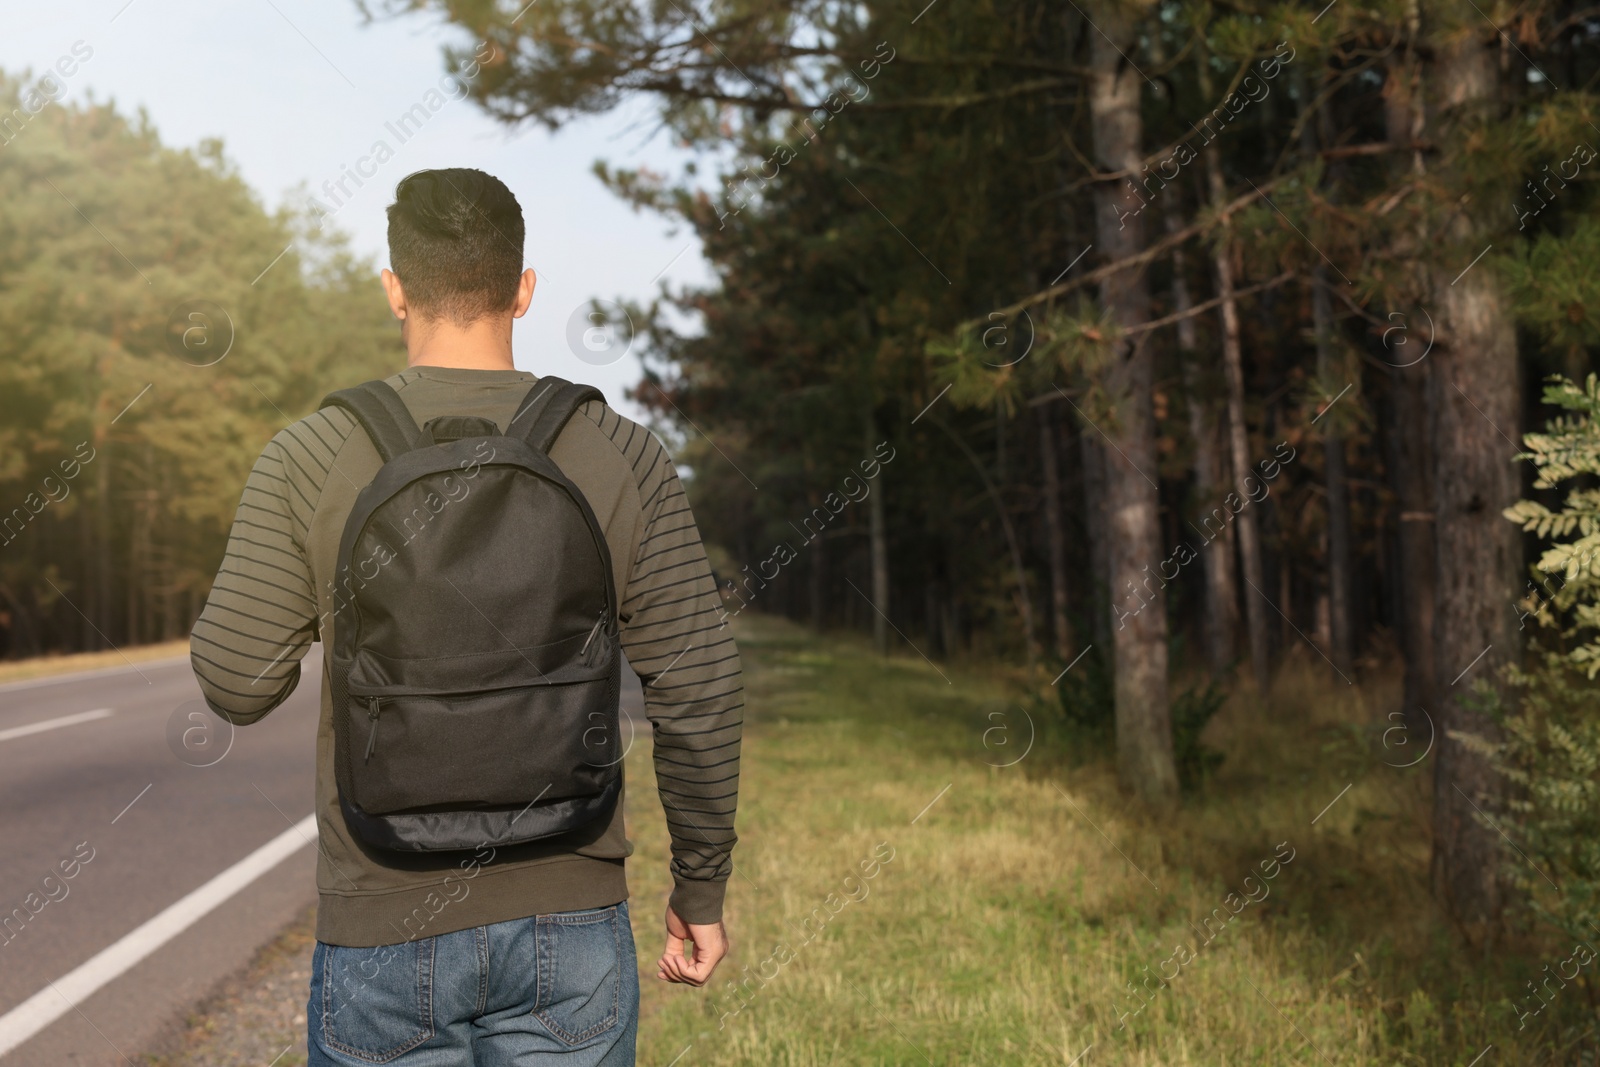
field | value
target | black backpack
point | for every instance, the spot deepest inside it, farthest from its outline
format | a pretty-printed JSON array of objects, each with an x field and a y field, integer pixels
[{"x": 475, "y": 667}]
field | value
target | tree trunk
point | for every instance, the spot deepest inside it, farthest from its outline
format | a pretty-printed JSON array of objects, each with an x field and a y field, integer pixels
[
  {"x": 1412, "y": 481},
  {"x": 950, "y": 618},
  {"x": 86, "y": 559},
  {"x": 1256, "y": 605},
  {"x": 879, "y": 550},
  {"x": 999, "y": 441},
  {"x": 1255, "y": 600},
  {"x": 1023, "y": 601},
  {"x": 138, "y": 572},
  {"x": 816, "y": 589},
  {"x": 103, "y": 605},
  {"x": 1475, "y": 402},
  {"x": 1094, "y": 507},
  {"x": 1143, "y": 723},
  {"x": 1339, "y": 581},
  {"x": 1338, "y": 498},
  {"x": 1210, "y": 479},
  {"x": 1411, "y": 430},
  {"x": 1055, "y": 534}
]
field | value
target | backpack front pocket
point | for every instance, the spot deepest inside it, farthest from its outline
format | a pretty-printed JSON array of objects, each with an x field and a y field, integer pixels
[{"x": 421, "y": 751}]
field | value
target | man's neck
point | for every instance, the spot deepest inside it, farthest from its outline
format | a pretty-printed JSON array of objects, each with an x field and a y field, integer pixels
[{"x": 484, "y": 345}]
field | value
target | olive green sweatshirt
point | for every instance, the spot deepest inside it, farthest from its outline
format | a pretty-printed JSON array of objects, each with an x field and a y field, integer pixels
[{"x": 273, "y": 597}]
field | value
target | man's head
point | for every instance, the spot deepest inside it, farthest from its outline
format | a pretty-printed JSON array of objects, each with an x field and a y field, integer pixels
[{"x": 455, "y": 248}]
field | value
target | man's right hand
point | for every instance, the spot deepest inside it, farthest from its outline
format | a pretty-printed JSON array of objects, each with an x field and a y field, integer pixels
[{"x": 710, "y": 945}]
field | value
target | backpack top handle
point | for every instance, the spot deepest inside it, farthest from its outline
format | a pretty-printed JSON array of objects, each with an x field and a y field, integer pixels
[
  {"x": 378, "y": 409},
  {"x": 550, "y": 404}
]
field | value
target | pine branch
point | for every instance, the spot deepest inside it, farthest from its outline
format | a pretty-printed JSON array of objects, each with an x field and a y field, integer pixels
[
  {"x": 1154, "y": 252},
  {"x": 1200, "y": 309}
]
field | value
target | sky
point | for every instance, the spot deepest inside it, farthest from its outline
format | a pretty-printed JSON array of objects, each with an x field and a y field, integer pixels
[{"x": 299, "y": 91}]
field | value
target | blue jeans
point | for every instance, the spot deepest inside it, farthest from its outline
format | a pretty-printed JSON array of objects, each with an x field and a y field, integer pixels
[{"x": 558, "y": 990}]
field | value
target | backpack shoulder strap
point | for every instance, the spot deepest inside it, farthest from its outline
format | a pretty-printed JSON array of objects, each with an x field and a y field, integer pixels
[
  {"x": 550, "y": 404},
  {"x": 542, "y": 392},
  {"x": 378, "y": 409}
]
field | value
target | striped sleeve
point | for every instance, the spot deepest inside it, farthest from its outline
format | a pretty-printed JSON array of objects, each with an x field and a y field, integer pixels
[
  {"x": 261, "y": 616},
  {"x": 673, "y": 631}
]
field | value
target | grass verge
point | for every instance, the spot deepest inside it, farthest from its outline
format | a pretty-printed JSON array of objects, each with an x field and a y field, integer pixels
[
  {"x": 255, "y": 1017},
  {"x": 1032, "y": 914},
  {"x": 48, "y": 666},
  {"x": 922, "y": 879}
]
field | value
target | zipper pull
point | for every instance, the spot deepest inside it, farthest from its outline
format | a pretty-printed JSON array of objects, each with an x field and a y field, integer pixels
[
  {"x": 372, "y": 738},
  {"x": 592, "y": 631}
]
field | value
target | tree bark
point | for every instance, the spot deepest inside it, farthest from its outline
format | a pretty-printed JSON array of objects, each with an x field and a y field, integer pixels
[
  {"x": 1475, "y": 393},
  {"x": 1411, "y": 478},
  {"x": 1255, "y": 601},
  {"x": 1054, "y": 530},
  {"x": 138, "y": 571},
  {"x": 1094, "y": 507},
  {"x": 816, "y": 583},
  {"x": 879, "y": 551},
  {"x": 1143, "y": 723},
  {"x": 1411, "y": 429},
  {"x": 86, "y": 562},
  {"x": 1256, "y": 604},
  {"x": 1339, "y": 579},
  {"x": 1210, "y": 478},
  {"x": 1338, "y": 490},
  {"x": 103, "y": 604}
]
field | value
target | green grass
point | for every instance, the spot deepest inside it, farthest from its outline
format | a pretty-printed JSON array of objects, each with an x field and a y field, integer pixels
[{"x": 1018, "y": 906}]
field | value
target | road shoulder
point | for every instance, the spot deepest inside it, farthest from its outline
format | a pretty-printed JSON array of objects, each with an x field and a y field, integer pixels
[{"x": 255, "y": 1016}]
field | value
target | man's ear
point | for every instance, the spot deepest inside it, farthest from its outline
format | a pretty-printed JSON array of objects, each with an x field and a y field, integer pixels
[
  {"x": 396, "y": 294},
  {"x": 525, "y": 286}
]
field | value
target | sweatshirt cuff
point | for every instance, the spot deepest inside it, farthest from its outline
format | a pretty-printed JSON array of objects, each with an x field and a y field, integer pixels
[
  {"x": 697, "y": 902},
  {"x": 213, "y": 697}
]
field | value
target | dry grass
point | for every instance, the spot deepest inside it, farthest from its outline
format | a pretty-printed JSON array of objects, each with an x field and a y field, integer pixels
[{"x": 1018, "y": 908}]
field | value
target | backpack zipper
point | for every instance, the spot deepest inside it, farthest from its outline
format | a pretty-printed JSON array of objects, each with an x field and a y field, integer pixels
[
  {"x": 372, "y": 738},
  {"x": 592, "y": 631},
  {"x": 373, "y": 702}
]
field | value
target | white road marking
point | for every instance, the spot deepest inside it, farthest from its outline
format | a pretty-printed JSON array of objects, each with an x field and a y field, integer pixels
[
  {"x": 52, "y": 724},
  {"x": 67, "y": 992}
]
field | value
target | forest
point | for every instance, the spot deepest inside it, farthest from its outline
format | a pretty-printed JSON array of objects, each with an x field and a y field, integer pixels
[{"x": 1145, "y": 347}]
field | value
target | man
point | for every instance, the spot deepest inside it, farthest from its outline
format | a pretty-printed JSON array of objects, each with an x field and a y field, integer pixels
[{"x": 519, "y": 954}]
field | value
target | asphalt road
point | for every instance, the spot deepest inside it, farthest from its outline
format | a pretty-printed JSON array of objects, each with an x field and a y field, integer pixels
[{"x": 93, "y": 966}]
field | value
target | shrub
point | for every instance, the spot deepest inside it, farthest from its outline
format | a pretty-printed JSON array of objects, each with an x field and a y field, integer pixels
[
  {"x": 1550, "y": 751},
  {"x": 1083, "y": 723},
  {"x": 1191, "y": 710},
  {"x": 1083, "y": 720}
]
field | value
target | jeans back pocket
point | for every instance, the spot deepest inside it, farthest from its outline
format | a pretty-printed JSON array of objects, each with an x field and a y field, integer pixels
[
  {"x": 580, "y": 973},
  {"x": 377, "y": 1003}
]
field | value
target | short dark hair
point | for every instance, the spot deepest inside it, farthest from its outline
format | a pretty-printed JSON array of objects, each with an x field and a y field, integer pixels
[{"x": 455, "y": 241}]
